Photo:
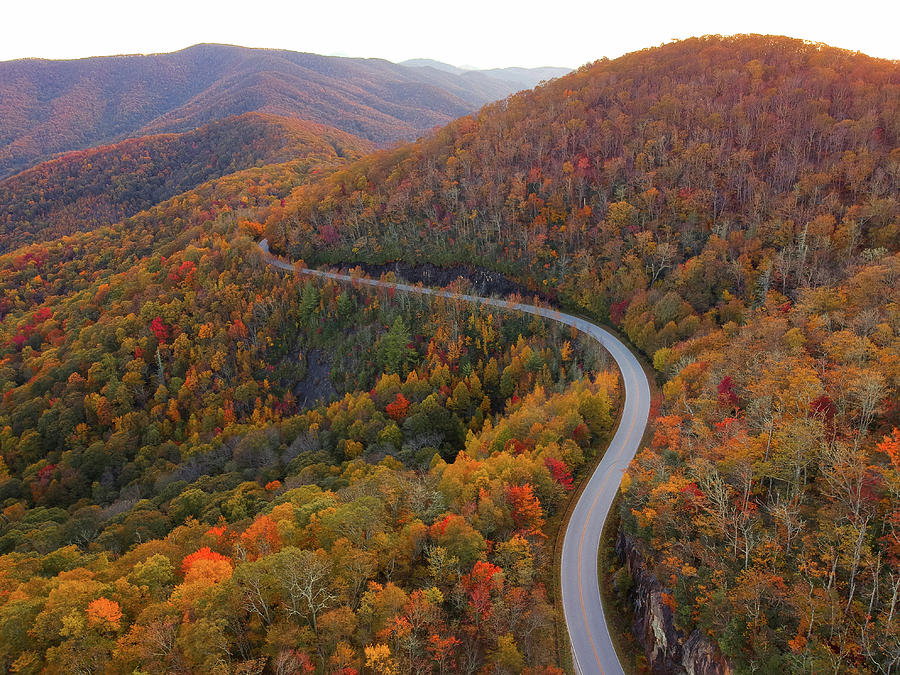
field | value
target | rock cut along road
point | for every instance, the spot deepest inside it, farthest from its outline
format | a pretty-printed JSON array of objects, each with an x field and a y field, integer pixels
[{"x": 592, "y": 645}]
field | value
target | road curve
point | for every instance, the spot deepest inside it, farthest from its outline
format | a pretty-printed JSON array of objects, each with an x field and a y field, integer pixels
[{"x": 592, "y": 646}]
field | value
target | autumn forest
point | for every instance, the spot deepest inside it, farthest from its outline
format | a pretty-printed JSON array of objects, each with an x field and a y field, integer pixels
[{"x": 211, "y": 465}]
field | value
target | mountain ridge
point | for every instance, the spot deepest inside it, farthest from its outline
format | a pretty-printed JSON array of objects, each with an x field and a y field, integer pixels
[{"x": 48, "y": 107}]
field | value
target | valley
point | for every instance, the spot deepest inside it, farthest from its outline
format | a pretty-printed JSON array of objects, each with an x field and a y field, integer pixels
[{"x": 592, "y": 645}]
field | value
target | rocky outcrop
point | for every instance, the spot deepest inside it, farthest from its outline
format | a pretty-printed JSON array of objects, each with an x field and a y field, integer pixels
[
  {"x": 699, "y": 656},
  {"x": 668, "y": 650}
]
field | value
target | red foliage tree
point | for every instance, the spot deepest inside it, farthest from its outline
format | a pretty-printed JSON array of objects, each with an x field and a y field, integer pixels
[
  {"x": 398, "y": 408},
  {"x": 261, "y": 538},
  {"x": 159, "y": 329},
  {"x": 560, "y": 472},
  {"x": 478, "y": 584},
  {"x": 727, "y": 397}
]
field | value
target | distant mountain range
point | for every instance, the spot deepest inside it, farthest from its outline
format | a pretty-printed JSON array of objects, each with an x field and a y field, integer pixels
[
  {"x": 48, "y": 107},
  {"x": 516, "y": 78}
]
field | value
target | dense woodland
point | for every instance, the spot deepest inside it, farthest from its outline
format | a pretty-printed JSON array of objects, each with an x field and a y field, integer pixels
[
  {"x": 181, "y": 425},
  {"x": 191, "y": 478},
  {"x": 47, "y": 271},
  {"x": 208, "y": 465},
  {"x": 769, "y": 494},
  {"x": 732, "y": 205}
]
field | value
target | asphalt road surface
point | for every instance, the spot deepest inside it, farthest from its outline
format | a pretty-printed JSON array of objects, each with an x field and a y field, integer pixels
[{"x": 592, "y": 646}]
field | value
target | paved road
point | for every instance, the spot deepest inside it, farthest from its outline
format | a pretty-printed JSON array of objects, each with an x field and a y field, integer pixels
[{"x": 592, "y": 647}]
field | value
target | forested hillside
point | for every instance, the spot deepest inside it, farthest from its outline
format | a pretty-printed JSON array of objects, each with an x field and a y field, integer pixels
[
  {"x": 48, "y": 271},
  {"x": 166, "y": 491},
  {"x": 208, "y": 466},
  {"x": 732, "y": 205},
  {"x": 48, "y": 107},
  {"x": 85, "y": 189}
]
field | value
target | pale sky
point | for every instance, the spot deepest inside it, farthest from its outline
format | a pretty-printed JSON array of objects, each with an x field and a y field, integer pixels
[{"x": 483, "y": 33}]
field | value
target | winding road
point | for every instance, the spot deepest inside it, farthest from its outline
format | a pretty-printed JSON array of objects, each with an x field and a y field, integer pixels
[{"x": 592, "y": 646}]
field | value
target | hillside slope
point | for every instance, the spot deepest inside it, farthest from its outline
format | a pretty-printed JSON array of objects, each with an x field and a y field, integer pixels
[
  {"x": 180, "y": 422},
  {"x": 85, "y": 189},
  {"x": 47, "y": 107},
  {"x": 732, "y": 205},
  {"x": 645, "y": 162}
]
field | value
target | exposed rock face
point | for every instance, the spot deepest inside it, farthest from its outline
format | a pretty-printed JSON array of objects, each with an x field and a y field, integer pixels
[
  {"x": 668, "y": 650},
  {"x": 699, "y": 656}
]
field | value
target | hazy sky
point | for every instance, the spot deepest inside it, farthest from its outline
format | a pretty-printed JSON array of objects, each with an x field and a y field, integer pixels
[{"x": 483, "y": 33}]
